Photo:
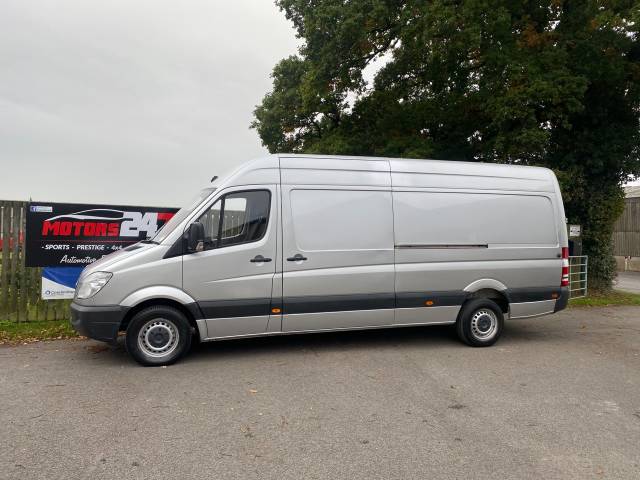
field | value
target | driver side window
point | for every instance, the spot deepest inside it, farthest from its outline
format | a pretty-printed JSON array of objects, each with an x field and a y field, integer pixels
[
  {"x": 211, "y": 220},
  {"x": 236, "y": 218}
]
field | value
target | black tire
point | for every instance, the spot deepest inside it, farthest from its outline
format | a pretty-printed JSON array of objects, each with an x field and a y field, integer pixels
[
  {"x": 158, "y": 335},
  {"x": 480, "y": 322}
]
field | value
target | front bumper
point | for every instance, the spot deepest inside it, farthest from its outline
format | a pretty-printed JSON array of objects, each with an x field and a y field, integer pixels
[
  {"x": 100, "y": 323},
  {"x": 563, "y": 299}
]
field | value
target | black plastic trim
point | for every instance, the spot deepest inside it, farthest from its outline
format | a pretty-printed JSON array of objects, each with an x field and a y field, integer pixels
[
  {"x": 297, "y": 258},
  {"x": 236, "y": 308},
  {"x": 431, "y": 246},
  {"x": 177, "y": 249},
  {"x": 194, "y": 310},
  {"x": 100, "y": 323},
  {"x": 439, "y": 299},
  {"x": 563, "y": 299},
  {"x": 533, "y": 294},
  {"x": 338, "y": 303},
  {"x": 259, "y": 259}
]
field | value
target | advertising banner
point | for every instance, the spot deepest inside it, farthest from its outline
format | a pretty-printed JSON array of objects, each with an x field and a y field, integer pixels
[
  {"x": 59, "y": 282},
  {"x": 75, "y": 235}
]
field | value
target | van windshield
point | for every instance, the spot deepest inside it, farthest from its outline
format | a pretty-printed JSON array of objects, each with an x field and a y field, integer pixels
[{"x": 180, "y": 215}]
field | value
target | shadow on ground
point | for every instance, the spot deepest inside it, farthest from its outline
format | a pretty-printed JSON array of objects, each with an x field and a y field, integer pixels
[{"x": 432, "y": 337}]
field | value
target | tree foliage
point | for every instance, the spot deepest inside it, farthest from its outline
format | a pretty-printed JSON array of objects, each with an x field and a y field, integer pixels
[{"x": 553, "y": 83}]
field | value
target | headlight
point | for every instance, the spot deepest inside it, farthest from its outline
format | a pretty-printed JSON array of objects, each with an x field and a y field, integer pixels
[{"x": 90, "y": 285}]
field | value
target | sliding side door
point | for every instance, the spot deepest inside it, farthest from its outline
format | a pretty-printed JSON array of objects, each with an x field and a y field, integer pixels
[{"x": 338, "y": 256}]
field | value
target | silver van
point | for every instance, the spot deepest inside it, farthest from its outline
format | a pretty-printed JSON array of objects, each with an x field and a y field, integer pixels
[{"x": 302, "y": 243}]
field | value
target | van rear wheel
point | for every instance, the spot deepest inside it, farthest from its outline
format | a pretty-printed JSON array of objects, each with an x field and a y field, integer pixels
[
  {"x": 158, "y": 335},
  {"x": 480, "y": 322}
]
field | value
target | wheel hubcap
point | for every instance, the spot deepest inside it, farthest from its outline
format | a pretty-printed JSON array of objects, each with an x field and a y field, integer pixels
[
  {"x": 484, "y": 324},
  {"x": 158, "y": 338}
]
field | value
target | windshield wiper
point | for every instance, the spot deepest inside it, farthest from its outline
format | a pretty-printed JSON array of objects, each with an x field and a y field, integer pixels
[{"x": 149, "y": 241}]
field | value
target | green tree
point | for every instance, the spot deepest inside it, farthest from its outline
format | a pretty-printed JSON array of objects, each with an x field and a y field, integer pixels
[{"x": 552, "y": 83}]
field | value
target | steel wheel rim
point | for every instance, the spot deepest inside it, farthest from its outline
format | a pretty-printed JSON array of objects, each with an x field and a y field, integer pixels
[
  {"x": 484, "y": 324},
  {"x": 158, "y": 338}
]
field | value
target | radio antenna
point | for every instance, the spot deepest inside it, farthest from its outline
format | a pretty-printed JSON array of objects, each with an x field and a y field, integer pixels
[{"x": 214, "y": 178}]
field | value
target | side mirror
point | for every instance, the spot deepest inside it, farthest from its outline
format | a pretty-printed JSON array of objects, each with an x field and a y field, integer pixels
[{"x": 195, "y": 237}]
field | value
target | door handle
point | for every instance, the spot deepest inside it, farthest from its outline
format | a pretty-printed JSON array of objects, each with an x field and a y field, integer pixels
[
  {"x": 259, "y": 259},
  {"x": 296, "y": 258}
]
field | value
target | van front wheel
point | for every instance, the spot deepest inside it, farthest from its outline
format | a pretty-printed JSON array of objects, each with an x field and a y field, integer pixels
[
  {"x": 158, "y": 335},
  {"x": 480, "y": 323}
]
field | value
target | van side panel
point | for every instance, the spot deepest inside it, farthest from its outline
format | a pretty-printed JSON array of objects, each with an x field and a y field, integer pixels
[
  {"x": 458, "y": 230},
  {"x": 332, "y": 171},
  {"x": 338, "y": 216},
  {"x": 465, "y": 175},
  {"x": 346, "y": 239},
  {"x": 461, "y": 219}
]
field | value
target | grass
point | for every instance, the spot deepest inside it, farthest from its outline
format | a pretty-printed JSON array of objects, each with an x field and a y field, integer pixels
[
  {"x": 604, "y": 299},
  {"x": 12, "y": 333}
]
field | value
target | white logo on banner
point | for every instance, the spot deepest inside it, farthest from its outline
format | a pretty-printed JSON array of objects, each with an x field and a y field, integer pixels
[{"x": 55, "y": 291}]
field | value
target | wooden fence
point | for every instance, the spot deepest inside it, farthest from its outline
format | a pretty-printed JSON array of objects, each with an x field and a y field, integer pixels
[
  {"x": 20, "y": 287},
  {"x": 626, "y": 231}
]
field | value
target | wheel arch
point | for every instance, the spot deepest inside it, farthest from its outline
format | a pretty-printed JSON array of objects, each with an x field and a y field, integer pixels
[
  {"x": 166, "y": 296},
  {"x": 491, "y": 289}
]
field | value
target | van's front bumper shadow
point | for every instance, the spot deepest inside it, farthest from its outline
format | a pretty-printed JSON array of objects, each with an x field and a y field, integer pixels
[{"x": 100, "y": 323}]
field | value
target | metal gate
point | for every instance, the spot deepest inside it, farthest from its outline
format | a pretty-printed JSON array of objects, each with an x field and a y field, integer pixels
[{"x": 578, "y": 276}]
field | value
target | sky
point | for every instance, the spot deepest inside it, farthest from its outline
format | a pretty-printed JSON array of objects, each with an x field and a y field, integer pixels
[{"x": 131, "y": 102}]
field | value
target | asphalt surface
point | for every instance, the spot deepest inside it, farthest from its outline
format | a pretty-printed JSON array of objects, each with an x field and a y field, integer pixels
[
  {"x": 628, "y": 282},
  {"x": 557, "y": 397}
]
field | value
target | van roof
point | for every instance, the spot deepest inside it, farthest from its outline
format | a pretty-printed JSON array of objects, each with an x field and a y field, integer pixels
[
  {"x": 317, "y": 161},
  {"x": 349, "y": 170}
]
